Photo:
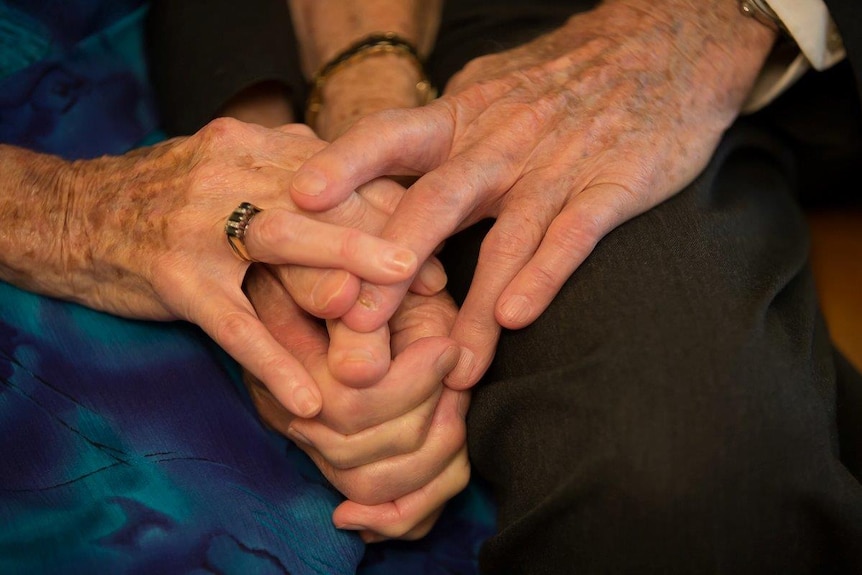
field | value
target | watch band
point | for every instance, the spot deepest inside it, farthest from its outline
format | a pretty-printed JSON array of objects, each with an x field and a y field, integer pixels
[{"x": 763, "y": 13}]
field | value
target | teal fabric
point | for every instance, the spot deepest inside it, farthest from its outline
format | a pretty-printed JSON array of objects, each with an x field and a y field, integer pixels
[{"x": 132, "y": 447}]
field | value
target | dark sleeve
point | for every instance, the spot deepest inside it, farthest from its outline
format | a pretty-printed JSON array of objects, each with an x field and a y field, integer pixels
[
  {"x": 848, "y": 17},
  {"x": 203, "y": 52}
]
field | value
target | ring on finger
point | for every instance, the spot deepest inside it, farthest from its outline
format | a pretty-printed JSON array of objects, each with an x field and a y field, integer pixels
[{"x": 236, "y": 227}]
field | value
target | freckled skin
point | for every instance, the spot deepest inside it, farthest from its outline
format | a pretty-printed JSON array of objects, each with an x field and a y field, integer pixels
[
  {"x": 141, "y": 234},
  {"x": 569, "y": 135}
]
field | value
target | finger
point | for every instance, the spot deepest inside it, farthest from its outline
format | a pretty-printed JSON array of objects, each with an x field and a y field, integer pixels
[
  {"x": 268, "y": 408},
  {"x": 420, "y": 317},
  {"x": 413, "y": 377},
  {"x": 431, "y": 278},
  {"x": 399, "y": 436},
  {"x": 329, "y": 294},
  {"x": 507, "y": 247},
  {"x": 382, "y": 193},
  {"x": 393, "y": 142},
  {"x": 410, "y": 516},
  {"x": 325, "y": 294},
  {"x": 571, "y": 237},
  {"x": 232, "y": 323},
  {"x": 391, "y": 478},
  {"x": 417, "y": 532},
  {"x": 437, "y": 205},
  {"x": 278, "y": 236},
  {"x": 358, "y": 359},
  {"x": 306, "y": 340}
]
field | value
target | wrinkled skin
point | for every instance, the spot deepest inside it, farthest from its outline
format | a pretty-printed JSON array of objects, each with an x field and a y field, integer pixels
[
  {"x": 390, "y": 437},
  {"x": 560, "y": 141},
  {"x": 142, "y": 235},
  {"x": 395, "y": 447}
]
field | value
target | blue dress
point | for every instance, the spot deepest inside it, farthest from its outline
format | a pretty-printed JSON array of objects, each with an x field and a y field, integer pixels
[{"x": 130, "y": 446}]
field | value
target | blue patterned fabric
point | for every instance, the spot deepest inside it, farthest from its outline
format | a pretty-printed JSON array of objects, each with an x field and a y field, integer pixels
[{"x": 131, "y": 447}]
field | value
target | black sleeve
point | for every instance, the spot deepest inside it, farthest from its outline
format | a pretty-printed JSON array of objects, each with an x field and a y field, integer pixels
[{"x": 203, "y": 52}]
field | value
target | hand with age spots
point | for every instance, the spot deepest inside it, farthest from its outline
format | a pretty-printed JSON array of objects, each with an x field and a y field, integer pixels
[
  {"x": 559, "y": 140},
  {"x": 142, "y": 235}
]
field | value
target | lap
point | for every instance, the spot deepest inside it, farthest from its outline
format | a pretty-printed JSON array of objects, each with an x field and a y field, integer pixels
[
  {"x": 678, "y": 393},
  {"x": 132, "y": 446}
]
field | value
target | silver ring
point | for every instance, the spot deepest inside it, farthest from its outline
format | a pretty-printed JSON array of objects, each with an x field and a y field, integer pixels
[{"x": 236, "y": 226}]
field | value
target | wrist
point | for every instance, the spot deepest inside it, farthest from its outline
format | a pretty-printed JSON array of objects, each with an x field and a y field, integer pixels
[
  {"x": 35, "y": 204},
  {"x": 379, "y": 83},
  {"x": 325, "y": 28},
  {"x": 377, "y": 72},
  {"x": 711, "y": 43}
]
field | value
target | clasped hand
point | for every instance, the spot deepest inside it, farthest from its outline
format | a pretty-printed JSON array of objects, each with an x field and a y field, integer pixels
[
  {"x": 142, "y": 235},
  {"x": 394, "y": 446}
]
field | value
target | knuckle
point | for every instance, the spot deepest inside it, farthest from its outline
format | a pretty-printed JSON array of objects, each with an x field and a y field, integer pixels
[
  {"x": 528, "y": 117},
  {"x": 507, "y": 242},
  {"x": 231, "y": 329},
  {"x": 365, "y": 487},
  {"x": 346, "y": 412},
  {"x": 267, "y": 229},
  {"x": 351, "y": 248},
  {"x": 585, "y": 231},
  {"x": 220, "y": 130},
  {"x": 427, "y": 321},
  {"x": 544, "y": 279},
  {"x": 413, "y": 431},
  {"x": 399, "y": 529},
  {"x": 341, "y": 457}
]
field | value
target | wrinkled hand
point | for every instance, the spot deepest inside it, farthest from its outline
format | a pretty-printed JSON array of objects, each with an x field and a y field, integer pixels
[
  {"x": 146, "y": 239},
  {"x": 394, "y": 447},
  {"x": 560, "y": 140}
]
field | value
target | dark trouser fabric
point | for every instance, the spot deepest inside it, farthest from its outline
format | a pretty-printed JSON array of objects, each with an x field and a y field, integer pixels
[
  {"x": 679, "y": 408},
  {"x": 674, "y": 411}
]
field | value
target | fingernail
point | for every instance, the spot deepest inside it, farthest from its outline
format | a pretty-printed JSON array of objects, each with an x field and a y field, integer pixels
[
  {"x": 399, "y": 260},
  {"x": 297, "y": 437},
  {"x": 517, "y": 309},
  {"x": 369, "y": 297},
  {"x": 350, "y": 527},
  {"x": 306, "y": 402},
  {"x": 309, "y": 183},
  {"x": 447, "y": 360},
  {"x": 460, "y": 376},
  {"x": 433, "y": 276},
  {"x": 328, "y": 287}
]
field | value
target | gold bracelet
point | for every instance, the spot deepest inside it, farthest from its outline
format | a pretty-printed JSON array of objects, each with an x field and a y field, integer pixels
[{"x": 375, "y": 44}]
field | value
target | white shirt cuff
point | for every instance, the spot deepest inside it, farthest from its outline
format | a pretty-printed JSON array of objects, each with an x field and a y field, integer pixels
[{"x": 818, "y": 46}]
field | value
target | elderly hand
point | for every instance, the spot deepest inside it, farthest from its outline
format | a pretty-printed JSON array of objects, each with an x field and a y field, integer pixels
[
  {"x": 560, "y": 140},
  {"x": 142, "y": 235},
  {"x": 394, "y": 447}
]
